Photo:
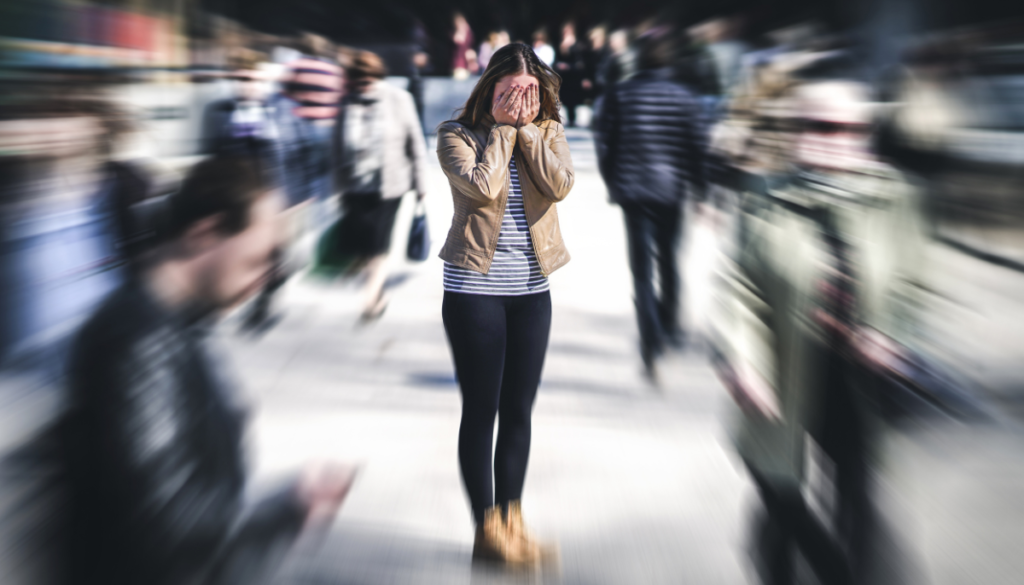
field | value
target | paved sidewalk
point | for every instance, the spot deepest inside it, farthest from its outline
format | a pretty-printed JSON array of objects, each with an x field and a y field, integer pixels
[
  {"x": 637, "y": 485},
  {"x": 633, "y": 483}
]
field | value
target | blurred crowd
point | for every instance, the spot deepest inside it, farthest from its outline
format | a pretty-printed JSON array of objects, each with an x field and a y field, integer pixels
[{"x": 826, "y": 172}]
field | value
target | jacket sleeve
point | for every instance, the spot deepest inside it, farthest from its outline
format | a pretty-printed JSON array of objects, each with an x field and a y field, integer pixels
[
  {"x": 548, "y": 163},
  {"x": 743, "y": 323},
  {"x": 142, "y": 423},
  {"x": 904, "y": 297},
  {"x": 184, "y": 516},
  {"x": 482, "y": 180},
  {"x": 415, "y": 147},
  {"x": 261, "y": 541}
]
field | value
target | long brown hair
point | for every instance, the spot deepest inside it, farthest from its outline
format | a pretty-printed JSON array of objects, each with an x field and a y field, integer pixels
[{"x": 512, "y": 59}]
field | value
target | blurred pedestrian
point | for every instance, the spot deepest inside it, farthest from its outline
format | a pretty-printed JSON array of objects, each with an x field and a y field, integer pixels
[
  {"x": 593, "y": 57},
  {"x": 243, "y": 124},
  {"x": 464, "y": 62},
  {"x": 380, "y": 156},
  {"x": 544, "y": 51},
  {"x": 651, "y": 151},
  {"x": 494, "y": 41},
  {"x": 508, "y": 164},
  {"x": 571, "y": 65},
  {"x": 724, "y": 40},
  {"x": 152, "y": 440},
  {"x": 302, "y": 116},
  {"x": 70, "y": 225},
  {"x": 822, "y": 308},
  {"x": 619, "y": 62},
  {"x": 418, "y": 66}
]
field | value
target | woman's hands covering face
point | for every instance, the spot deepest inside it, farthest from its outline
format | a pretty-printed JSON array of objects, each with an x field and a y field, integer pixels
[
  {"x": 517, "y": 106},
  {"x": 530, "y": 106},
  {"x": 506, "y": 106}
]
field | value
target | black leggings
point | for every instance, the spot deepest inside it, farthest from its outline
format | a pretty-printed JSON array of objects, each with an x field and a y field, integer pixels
[{"x": 498, "y": 345}]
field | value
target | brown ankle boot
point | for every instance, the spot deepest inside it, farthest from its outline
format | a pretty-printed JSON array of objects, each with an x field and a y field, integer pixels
[
  {"x": 530, "y": 549},
  {"x": 491, "y": 543}
]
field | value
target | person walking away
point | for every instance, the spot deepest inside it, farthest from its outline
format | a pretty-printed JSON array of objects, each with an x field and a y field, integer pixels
[
  {"x": 303, "y": 115},
  {"x": 544, "y": 51},
  {"x": 380, "y": 156},
  {"x": 464, "y": 61},
  {"x": 595, "y": 54},
  {"x": 651, "y": 150},
  {"x": 821, "y": 305},
  {"x": 151, "y": 443},
  {"x": 305, "y": 111},
  {"x": 419, "y": 65},
  {"x": 508, "y": 164},
  {"x": 571, "y": 66},
  {"x": 495, "y": 41},
  {"x": 618, "y": 63},
  {"x": 243, "y": 125}
]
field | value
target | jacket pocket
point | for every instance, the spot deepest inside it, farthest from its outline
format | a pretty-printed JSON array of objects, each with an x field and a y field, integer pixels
[
  {"x": 477, "y": 233},
  {"x": 547, "y": 231}
]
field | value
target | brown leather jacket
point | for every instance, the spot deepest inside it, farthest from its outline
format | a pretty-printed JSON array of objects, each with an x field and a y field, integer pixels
[{"x": 476, "y": 163}]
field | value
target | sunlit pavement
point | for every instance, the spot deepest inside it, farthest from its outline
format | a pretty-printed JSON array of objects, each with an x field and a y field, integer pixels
[
  {"x": 637, "y": 485},
  {"x": 632, "y": 482}
]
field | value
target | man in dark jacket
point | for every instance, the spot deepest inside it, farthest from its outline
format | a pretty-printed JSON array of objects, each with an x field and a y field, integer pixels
[
  {"x": 651, "y": 149},
  {"x": 152, "y": 442}
]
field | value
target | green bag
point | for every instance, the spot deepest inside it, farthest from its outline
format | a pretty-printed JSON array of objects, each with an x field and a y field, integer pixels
[{"x": 329, "y": 261}]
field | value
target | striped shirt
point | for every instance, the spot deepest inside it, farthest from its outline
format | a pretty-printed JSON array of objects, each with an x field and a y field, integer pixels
[
  {"x": 514, "y": 270},
  {"x": 316, "y": 85}
]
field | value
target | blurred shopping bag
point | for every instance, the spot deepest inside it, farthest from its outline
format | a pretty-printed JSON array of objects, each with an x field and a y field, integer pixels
[
  {"x": 418, "y": 247},
  {"x": 330, "y": 260}
]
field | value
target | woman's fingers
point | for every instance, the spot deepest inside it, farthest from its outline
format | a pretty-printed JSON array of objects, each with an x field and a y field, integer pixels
[
  {"x": 513, "y": 94},
  {"x": 514, "y": 108},
  {"x": 517, "y": 97}
]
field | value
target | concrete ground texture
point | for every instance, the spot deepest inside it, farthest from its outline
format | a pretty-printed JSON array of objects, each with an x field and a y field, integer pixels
[{"x": 636, "y": 484}]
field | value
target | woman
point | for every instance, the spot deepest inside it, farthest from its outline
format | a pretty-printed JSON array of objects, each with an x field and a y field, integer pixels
[
  {"x": 495, "y": 41},
  {"x": 571, "y": 66},
  {"x": 464, "y": 60},
  {"x": 508, "y": 163},
  {"x": 381, "y": 156}
]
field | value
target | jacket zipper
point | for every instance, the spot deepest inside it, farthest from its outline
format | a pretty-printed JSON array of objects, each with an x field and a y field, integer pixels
[
  {"x": 501, "y": 219},
  {"x": 526, "y": 210}
]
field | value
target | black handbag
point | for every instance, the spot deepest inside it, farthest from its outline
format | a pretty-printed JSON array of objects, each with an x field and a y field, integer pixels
[{"x": 418, "y": 247}]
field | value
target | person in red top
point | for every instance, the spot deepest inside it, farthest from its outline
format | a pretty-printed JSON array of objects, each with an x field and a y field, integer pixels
[{"x": 464, "y": 60}]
